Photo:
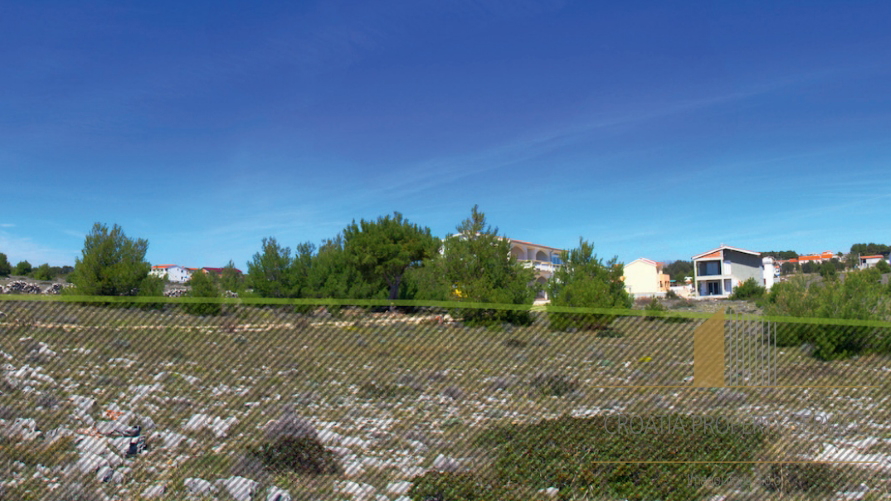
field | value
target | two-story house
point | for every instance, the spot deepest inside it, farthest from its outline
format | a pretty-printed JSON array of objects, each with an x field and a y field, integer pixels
[
  {"x": 645, "y": 278},
  {"x": 720, "y": 270},
  {"x": 172, "y": 272},
  {"x": 545, "y": 260}
]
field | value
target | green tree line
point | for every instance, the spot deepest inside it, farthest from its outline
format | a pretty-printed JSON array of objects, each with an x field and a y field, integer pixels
[
  {"x": 25, "y": 269},
  {"x": 387, "y": 258}
]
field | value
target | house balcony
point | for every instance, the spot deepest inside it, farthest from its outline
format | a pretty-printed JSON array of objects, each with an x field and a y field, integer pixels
[{"x": 541, "y": 266}]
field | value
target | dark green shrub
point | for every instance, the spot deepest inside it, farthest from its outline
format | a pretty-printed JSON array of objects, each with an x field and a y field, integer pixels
[
  {"x": 436, "y": 486},
  {"x": 810, "y": 478},
  {"x": 203, "y": 286},
  {"x": 298, "y": 455},
  {"x": 653, "y": 309},
  {"x": 515, "y": 343},
  {"x": 749, "y": 290},
  {"x": 589, "y": 455},
  {"x": 585, "y": 281},
  {"x": 859, "y": 296},
  {"x": 491, "y": 318},
  {"x": 292, "y": 445},
  {"x": 608, "y": 333},
  {"x": 556, "y": 385}
]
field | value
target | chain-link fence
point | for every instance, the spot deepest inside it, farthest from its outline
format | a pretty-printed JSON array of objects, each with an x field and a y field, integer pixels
[{"x": 182, "y": 398}]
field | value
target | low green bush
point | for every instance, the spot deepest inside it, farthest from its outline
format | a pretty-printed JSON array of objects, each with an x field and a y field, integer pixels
[
  {"x": 292, "y": 445},
  {"x": 809, "y": 478},
  {"x": 435, "y": 486},
  {"x": 748, "y": 290},
  {"x": 556, "y": 385},
  {"x": 579, "y": 321},
  {"x": 299, "y": 455},
  {"x": 590, "y": 456},
  {"x": 859, "y": 295},
  {"x": 203, "y": 286}
]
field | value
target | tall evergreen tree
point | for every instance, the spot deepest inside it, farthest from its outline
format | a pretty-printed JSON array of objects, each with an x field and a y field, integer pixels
[
  {"x": 231, "y": 279},
  {"x": 478, "y": 266},
  {"x": 301, "y": 269},
  {"x": 43, "y": 272},
  {"x": 269, "y": 272},
  {"x": 22, "y": 268},
  {"x": 585, "y": 281},
  {"x": 5, "y": 267},
  {"x": 383, "y": 250},
  {"x": 111, "y": 264},
  {"x": 677, "y": 270},
  {"x": 203, "y": 285}
]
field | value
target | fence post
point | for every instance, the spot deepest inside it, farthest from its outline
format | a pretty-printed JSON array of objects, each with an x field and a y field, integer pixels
[{"x": 708, "y": 352}]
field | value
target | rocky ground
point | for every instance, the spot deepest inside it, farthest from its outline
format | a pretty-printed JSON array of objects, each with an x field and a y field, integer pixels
[{"x": 391, "y": 396}]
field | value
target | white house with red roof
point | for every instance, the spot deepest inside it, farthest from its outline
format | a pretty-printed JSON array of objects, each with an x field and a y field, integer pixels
[
  {"x": 172, "y": 272},
  {"x": 181, "y": 274},
  {"x": 870, "y": 261},
  {"x": 645, "y": 278},
  {"x": 719, "y": 271}
]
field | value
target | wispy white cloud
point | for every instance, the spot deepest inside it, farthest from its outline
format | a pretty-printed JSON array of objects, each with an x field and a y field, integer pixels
[
  {"x": 7, "y": 225},
  {"x": 19, "y": 248}
]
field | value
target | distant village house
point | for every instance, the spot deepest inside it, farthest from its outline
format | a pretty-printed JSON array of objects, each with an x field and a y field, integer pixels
[
  {"x": 180, "y": 274},
  {"x": 545, "y": 260},
  {"x": 870, "y": 261},
  {"x": 646, "y": 278},
  {"x": 720, "y": 270}
]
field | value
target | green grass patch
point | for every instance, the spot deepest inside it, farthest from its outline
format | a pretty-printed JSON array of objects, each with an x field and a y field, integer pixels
[{"x": 598, "y": 457}]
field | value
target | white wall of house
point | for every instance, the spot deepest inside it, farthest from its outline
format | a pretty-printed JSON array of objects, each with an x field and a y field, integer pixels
[
  {"x": 770, "y": 269},
  {"x": 720, "y": 270},
  {"x": 175, "y": 273},
  {"x": 869, "y": 261},
  {"x": 642, "y": 278},
  {"x": 178, "y": 274}
]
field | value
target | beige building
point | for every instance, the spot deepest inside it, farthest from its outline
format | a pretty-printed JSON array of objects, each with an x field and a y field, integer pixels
[
  {"x": 545, "y": 260},
  {"x": 645, "y": 278}
]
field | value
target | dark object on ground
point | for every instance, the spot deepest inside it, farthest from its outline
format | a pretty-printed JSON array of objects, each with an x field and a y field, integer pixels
[{"x": 137, "y": 445}]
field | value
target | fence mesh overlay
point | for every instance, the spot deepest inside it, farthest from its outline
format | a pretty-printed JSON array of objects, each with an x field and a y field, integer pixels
[{"x": 137, "y": 398}]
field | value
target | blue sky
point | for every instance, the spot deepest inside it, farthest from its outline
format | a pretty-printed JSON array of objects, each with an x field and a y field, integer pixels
[{"x": 652, "y": 130}]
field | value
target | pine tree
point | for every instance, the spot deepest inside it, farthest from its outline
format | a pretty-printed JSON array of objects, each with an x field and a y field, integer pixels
[
  {"x": 111, "y": 263},
  {"x": 203, "y": 285},
  {"x": 585, "y": 281},
  {"x": 383, "y": 250},
  {"x": 269, "y": 272},
  {"x": 478, "y": 266},
  {"x": 5, "y": 267}
]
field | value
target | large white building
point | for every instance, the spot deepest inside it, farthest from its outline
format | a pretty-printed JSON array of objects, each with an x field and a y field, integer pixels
[{"x": 172, "y": 272}]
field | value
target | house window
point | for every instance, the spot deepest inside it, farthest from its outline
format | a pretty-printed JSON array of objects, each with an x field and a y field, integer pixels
[{"x": 709, "y": 268}]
